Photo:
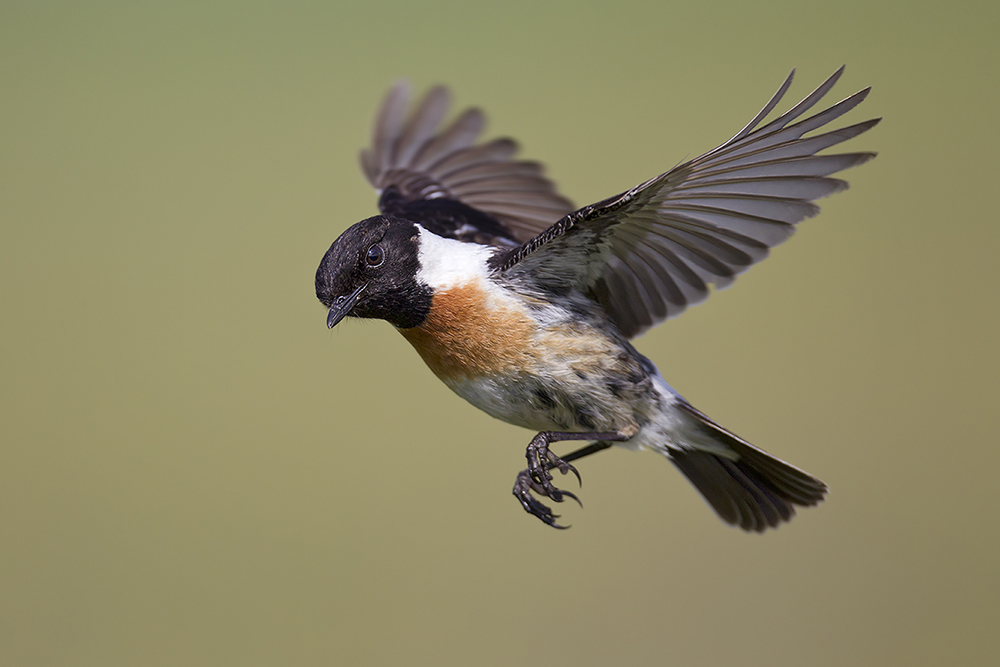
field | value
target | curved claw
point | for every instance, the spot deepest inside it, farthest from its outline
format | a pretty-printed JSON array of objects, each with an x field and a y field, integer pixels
[
  {"x": 543, "y": 512},
  {"x": 522, "y": 491},
  {"x": 554, "y": 462},
  {"x": 548, "y": 490},
  {"x": 573, "y": 496},
  {"x": 567, "y": 468},
  {"x": 556, "y": 494}
]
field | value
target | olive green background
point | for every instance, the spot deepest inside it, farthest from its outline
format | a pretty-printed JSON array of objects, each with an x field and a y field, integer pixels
[{"x": 195, "y": 471}]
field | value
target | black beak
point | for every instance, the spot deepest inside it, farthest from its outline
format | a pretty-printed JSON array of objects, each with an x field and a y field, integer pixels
[{"x": 342, "y": 306}]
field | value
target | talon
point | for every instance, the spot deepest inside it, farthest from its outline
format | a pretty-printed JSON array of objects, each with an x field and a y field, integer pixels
[
  {"x": 526, "y": 483},
  {"x": 567, "y": 468},
  {"x": 541, "y": 460},
  {"x": 573, "y": 496}
]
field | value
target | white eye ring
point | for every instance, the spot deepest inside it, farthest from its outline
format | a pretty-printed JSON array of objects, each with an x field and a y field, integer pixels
[{"x": 375, "y": 256}]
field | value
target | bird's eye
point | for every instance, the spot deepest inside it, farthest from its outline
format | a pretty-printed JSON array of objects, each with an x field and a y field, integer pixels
[{"x": 375, "y": 256}]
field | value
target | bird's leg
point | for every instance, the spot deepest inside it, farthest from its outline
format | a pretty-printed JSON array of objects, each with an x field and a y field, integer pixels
[{"x": 541, "y": 460}]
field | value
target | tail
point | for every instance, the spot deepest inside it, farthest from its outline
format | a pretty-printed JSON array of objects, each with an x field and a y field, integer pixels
[{"x": 752, "y": 489}]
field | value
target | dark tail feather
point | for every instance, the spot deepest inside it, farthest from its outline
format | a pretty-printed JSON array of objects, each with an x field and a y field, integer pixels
[{"x": 754, "y": 490}]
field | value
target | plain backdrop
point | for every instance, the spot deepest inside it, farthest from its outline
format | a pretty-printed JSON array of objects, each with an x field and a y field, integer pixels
[{"x": 195, "y": 471}]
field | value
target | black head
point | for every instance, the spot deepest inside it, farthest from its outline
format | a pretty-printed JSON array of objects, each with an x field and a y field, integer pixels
[{"x": 370, "y": 271}]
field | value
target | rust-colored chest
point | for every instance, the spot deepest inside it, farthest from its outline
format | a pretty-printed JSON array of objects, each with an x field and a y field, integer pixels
[{"x": 470, "y": 333}]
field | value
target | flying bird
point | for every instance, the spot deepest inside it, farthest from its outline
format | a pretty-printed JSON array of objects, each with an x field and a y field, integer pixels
[{"x": 524, "y": 305}]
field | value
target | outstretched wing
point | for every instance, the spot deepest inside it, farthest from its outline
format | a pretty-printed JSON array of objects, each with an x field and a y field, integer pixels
[
  {"x": 649, "y": 253},
  {"x": 444, "y": 180}
]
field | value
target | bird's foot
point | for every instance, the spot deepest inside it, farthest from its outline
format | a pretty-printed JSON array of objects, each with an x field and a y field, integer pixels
[
  {"x": 522, "y": 491},
  {"x": 538, "y": 478}
]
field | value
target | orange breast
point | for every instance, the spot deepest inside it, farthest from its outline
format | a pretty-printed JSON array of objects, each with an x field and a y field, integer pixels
[{"x": 467, "y": 334}]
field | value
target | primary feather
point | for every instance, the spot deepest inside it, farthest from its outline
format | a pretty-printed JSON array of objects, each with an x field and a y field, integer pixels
[
  {"x": 444, "y": 180},
  {"x": 649, "y": 253}
]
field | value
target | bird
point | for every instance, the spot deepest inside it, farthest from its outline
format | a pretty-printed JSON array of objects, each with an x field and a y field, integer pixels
[{"x": 525, "y": 305}]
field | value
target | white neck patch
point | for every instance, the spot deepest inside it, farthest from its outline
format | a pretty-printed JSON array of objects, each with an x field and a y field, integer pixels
[{"x": 445, "y": 262}]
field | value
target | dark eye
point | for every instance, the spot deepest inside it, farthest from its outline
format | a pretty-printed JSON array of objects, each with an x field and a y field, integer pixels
[{"x": 375, "y": 256}]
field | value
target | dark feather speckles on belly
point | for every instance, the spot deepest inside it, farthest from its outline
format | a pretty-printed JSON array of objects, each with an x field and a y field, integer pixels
[
  {"x": 544, "y": 400},
  {"x": 587, "y": 421}
]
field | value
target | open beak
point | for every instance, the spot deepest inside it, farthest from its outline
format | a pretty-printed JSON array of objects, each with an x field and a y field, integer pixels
[{"x": 342, "y": 306}]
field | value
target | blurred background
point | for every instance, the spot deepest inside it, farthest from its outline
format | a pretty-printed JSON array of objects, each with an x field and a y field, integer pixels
[{"x": 194, "y": 470}]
